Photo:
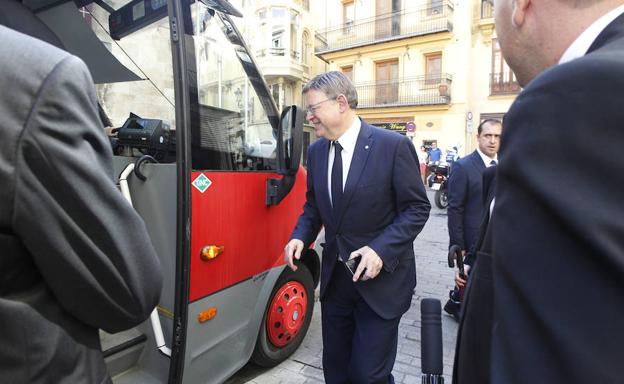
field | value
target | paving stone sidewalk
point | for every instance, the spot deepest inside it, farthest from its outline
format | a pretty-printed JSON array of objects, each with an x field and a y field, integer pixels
[{"x": 435, "y": 279}]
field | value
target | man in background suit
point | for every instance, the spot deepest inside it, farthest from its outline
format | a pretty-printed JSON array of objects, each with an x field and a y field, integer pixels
[
  {"x": 465, "y": 195},
  {"x": 75, "y": 255},
  {"x": 364, "y": 187},
  {"x": 558, "y": 232}
]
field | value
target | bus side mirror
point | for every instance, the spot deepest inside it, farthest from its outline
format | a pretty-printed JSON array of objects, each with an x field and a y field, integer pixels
[
  {"x": 289, "y": 147},
  {"x": 290, "y": 133}
]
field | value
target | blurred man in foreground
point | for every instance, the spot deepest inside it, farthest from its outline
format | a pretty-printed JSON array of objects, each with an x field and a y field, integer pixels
[
  {"x": 75, "y": 255},
  {"x": 557, "y": 231}
]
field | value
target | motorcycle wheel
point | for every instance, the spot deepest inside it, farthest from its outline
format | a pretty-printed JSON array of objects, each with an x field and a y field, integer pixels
[{"x": 441, "y": 199}]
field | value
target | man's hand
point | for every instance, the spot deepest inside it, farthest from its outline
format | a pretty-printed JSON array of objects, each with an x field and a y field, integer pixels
[
  {"x": 110, "y": 131},
  {"x": 459, "y": 282},
  {"x": 370, "y": 261},
  {"x": 293, "y": 250}
]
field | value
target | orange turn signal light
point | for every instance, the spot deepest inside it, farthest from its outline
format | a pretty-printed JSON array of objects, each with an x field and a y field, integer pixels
[
  {"x": 209, "y": 252},
  {"x": 206, "y": 315}
]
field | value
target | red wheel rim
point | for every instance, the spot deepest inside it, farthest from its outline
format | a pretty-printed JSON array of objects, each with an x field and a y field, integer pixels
[{"x": 287, "y": 313}]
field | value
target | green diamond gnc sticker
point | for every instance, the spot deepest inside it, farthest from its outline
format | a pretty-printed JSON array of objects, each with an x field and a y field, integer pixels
[{"x": 202, "y": 183}]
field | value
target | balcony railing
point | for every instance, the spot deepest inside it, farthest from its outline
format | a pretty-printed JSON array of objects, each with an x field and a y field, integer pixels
[
  {"x": 487, "y": 9},
  {"x": 277, "y": 52},
  {"x": 273, "y": 51},
  {"x": 503, "y": 83},
  {"x": 421, "y": 90},
  {"x": 432, "y": 18}
]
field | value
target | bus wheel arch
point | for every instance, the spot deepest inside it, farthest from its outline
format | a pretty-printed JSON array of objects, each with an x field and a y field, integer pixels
[{"x": 286, "y": 318}]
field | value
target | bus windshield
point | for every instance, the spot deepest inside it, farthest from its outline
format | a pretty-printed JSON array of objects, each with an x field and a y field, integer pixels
[
  {"x": 230, "y": 128},
  {"x": 231, "y": 131}
]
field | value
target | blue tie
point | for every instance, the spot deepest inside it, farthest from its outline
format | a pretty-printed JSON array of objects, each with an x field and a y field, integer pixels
[{"x": 336, "y": 178}]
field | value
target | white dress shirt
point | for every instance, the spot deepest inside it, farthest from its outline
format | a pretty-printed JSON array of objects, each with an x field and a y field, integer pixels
[
  {"x": 582, "y": 43},
  {"x": 486, "y": 159},
  {"x": 347, "y": 141}
]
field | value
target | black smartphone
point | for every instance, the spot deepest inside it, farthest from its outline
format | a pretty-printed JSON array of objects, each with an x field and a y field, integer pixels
[{"x": 352, "y": 265}]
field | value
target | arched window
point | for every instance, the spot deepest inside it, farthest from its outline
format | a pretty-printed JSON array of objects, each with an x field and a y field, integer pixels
[{"x": 305, "y": 47}]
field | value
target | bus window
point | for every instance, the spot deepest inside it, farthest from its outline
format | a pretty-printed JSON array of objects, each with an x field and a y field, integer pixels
[
  {"x": 147, "y": 53},
  {"x": 226, "y": 99}
]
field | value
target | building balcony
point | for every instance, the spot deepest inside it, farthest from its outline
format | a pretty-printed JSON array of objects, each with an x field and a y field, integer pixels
[
  {"x": 282, "y": 62},
  {"x": 435, "y": 17},
  {"x": 485, "y": 22},
  {"x": 280, "y": 52},
  {"x": 411, "y": 91},
  {"x": 273, "y": 51},
  {"x": 503, "y": 83}
]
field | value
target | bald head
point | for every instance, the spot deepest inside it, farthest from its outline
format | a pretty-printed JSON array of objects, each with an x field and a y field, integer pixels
[{"x": 534, "y": 34}]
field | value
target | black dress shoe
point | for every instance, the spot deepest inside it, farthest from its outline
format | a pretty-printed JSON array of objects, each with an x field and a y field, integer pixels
[{"x": 452, "y": 308}]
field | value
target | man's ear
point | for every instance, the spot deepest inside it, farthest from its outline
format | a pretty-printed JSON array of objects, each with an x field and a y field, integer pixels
[
  {"x": 519, "y": 11},
  {"x": 343, "y": 104}
]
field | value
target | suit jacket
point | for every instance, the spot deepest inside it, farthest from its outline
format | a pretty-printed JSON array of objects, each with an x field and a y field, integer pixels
[
  {"x": 472, "y": 350},
  {"x": 465, "y": 200},
  {"x": 558, "y": 227},
  {"x": 489, "y": 192},
  {"x": 75, "y": 256},
  {"x": 384, "y": 206},
  {"x": 15, "y": 15}
]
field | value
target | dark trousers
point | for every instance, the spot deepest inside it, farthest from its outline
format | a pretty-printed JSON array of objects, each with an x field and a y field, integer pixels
[
  {"x": 359, "y": 347},
  {"x": 472, "y": 353}
]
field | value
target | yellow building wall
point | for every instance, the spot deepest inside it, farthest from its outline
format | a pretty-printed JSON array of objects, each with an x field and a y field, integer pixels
[
  {"x": 481, "y": 102},
  {"x": 466, "y": 56}
]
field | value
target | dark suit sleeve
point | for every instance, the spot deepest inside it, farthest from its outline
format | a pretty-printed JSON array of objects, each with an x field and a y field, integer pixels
[
  {"x": 457, "y": 195},
  {"x": 89, "y": 244},
  {"x": 309, "y": 223},
  {"x": 412, "y": 206}
]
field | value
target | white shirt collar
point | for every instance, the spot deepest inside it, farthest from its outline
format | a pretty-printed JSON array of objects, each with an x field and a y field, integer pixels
[
  {"x": 582, "y": 43},
  {"x": 349, "y": 137},
  {"x": 486, "y": 159}
]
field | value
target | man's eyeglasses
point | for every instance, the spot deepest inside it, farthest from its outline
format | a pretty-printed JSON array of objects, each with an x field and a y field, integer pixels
[{"x": 314, "y": 107}]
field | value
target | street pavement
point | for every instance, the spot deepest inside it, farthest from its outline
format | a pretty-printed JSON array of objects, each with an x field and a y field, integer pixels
[{"x": 435, "y": 279}]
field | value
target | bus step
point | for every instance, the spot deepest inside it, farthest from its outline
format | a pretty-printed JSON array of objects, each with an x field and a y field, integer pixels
[
  {"x": 113, "y": 343},
  {"x": 135, "y": 376},
  {"x": 122, "y": 350}
]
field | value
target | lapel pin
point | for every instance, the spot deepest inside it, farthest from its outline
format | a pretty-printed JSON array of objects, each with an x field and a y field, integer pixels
[{"x": 366, "y": 147}]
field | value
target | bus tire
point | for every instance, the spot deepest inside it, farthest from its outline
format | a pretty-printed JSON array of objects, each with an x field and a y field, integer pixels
[{"x": 289, "y": 312}]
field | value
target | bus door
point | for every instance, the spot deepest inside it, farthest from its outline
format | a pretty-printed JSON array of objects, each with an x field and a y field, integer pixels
[
  {"x": 245, "y": 201},
  {"x": 213, "y": 169}
]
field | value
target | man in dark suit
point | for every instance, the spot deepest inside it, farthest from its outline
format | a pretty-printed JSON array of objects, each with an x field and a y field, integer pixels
[
  {"x": 558, "y": 237},
  {"x": 364, "y": 187},
  {"x": 465, "y": 195},
  {"x": 75, "y": 255}
]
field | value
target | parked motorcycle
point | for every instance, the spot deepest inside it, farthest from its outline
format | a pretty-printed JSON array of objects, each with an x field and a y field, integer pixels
[{"x": 437, "y": 182}]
